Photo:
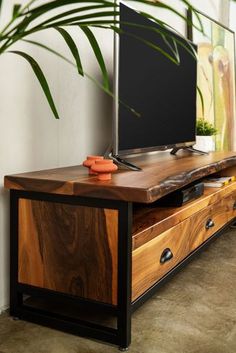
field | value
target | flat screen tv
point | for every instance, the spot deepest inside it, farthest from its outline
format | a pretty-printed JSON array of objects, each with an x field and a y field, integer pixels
[{"x": 160, "y": 91}]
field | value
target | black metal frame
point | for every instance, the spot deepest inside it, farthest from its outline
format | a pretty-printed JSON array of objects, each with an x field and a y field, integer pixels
[{"x": 121, "y": 335}]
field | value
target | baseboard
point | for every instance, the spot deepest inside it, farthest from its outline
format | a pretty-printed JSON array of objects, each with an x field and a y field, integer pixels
[{"x": 3, "y": 309}]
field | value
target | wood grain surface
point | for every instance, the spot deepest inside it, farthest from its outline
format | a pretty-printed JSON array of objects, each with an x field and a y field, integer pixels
[
  {"x": 146, "y": 266},
  {"x": 161, "y": 173},
  {"x": 70, "y": 249},
  {"x": 220, "y": 213},
  {"x": 182, "y": 239},
  {"x": 150, "y": 221}
]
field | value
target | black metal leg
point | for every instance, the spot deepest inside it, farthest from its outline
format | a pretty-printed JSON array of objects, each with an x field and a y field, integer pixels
[
  {"x": 190, "y": 149},
  {"x": 16, "y": 299},
  {"x": 124, "y": 276},
  {"x": 123, "y": 349},
  {"x": 233, "y": 225}
]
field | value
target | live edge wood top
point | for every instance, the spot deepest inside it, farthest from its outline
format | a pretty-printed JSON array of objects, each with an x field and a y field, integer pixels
[{"x": 161, "y": 174}]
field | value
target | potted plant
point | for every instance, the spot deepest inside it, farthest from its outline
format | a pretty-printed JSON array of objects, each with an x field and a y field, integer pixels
[{"x": 205, "y": 132}]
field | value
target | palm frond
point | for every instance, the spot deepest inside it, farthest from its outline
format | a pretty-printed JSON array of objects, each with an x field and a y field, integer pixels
[
  {"x": 174, "y": 59},
  {"x": 1, "y": 1},
  {"x": 16, "y": 10},
  {"x": 73, "y": 48},
  {"x": 31, "y": 15},
  {"x": 163, "y": 30},
  {"x": 77, "y": 10},
  {"x": 43, "y": 46},
  {"x": 26, "y": 20},
  {"x": 41, "y": 78},
  {"x": 201, "y": 100},
  {"x": 96, "y": 82},
  {"x": 98, "y": 54},
  {"x": 77, "y": 19},
  {"x": 52, "y": 5}
]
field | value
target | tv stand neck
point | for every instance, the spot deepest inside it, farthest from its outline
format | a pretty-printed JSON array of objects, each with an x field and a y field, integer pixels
[
  {"x": 124, "y": 163},
  {"x": 190, "y": 149}
]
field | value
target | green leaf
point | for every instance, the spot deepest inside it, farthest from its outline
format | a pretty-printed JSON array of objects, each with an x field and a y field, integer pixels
[
  {"x": 201, "y": 100},
  {"x": 41, "y": 78},
  {"x": 70, "y": 21},
  {"x": 32, "y": 14},
  {"x": 48, "y": 49},
  {"x": 97, "y": 83},
  {"x": 163, "y": 6},
  {"x": 205, "y": 128},
  {"x": 187, "y": 45},
  {"x": 16, "y": 9},
  {"x": 77, "y": 10},
  {"x": 52, "y": 5},
  {"x": 98, "y": 54},
  {"x": 73, "y": 48},
  {"x": 190, "y": 20},
  {"x": 150, "y": 44},
  {"x": 1, "y": 1}
]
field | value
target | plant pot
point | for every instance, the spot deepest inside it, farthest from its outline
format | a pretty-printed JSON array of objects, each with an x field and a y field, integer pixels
[{"x": 205, "y": 143}]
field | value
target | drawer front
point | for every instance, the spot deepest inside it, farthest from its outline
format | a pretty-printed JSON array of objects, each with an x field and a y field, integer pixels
[
  {"x": 206, "y": 222},
  {"x": 158, "y": 256},
  {"x": 149, "y": 263}
]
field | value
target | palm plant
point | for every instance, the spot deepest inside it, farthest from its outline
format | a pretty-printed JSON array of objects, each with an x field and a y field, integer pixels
[{"x": 85, "y": 15}]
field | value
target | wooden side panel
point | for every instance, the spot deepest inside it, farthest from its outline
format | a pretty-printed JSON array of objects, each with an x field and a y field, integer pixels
[{"x": 68, "y": 248}]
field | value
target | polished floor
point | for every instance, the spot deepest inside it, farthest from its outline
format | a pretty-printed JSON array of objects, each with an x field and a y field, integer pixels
[{"x": 194, "y": 313}]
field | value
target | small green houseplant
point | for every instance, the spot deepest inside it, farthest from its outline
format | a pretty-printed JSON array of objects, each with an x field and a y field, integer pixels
[
  {"x": 205, "y": 132},
  {"x": 205, "y": 128}
]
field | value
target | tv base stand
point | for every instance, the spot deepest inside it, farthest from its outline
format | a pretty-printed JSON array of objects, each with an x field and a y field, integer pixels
[
  {"x": 190, "y": 149},
  {"x": 86, "y": 254},
  {"x": 124, "y": 163}
]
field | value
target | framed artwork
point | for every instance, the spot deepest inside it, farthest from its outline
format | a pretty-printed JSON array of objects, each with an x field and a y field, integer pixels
[{"x": 216, "y": 77}]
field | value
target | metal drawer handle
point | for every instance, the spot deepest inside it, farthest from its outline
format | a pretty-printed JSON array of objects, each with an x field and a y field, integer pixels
[
  {"x": 209, "y": 224},
  {"x": 166, "y": 256},
  {"x": 234, "y": 205}
]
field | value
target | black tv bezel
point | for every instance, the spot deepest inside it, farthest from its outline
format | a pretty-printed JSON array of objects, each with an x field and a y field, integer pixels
[{"x": 115, "y": 121}]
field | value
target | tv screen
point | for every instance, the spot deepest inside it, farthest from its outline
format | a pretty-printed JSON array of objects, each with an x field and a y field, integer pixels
[{"x": 162, "y": 92}]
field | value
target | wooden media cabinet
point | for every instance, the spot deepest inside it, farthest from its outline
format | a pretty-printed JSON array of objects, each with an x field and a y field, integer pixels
[{"x": 86, "y": 253}]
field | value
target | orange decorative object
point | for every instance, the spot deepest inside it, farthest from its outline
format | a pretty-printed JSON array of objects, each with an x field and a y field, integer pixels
[
  {"x": 90, "y": 161},
  {"x": 104, "y": 168}
]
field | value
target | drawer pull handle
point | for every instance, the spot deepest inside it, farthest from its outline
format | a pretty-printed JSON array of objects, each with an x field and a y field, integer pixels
[
  {"x": 166, "y": 256},
  {"x": 234, "y": 206},
  {"x": 209, "y": 224}
]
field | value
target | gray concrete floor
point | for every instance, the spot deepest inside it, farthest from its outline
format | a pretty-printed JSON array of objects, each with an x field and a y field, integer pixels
[{"x": 194, "y": 313}]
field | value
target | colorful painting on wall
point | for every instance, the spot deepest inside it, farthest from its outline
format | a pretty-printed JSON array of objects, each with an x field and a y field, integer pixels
[{"x": 216, "y": 78}]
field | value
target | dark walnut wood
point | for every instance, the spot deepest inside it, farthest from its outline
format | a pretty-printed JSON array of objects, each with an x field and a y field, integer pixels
[
  {"x": 161, "y": 174},
  {"x": 69, "y": 249}
]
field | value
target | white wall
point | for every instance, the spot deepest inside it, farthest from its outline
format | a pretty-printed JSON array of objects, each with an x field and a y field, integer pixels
[
  {"x": 232, "y": 20},
  {"x": 30, "y": 138}
]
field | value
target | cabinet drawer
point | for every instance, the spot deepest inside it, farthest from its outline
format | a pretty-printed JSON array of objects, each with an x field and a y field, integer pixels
[
  {"x": 147, "y": 264},
  {"x": 206, "y": 222},
  {"x": 154, "y": 259}
]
